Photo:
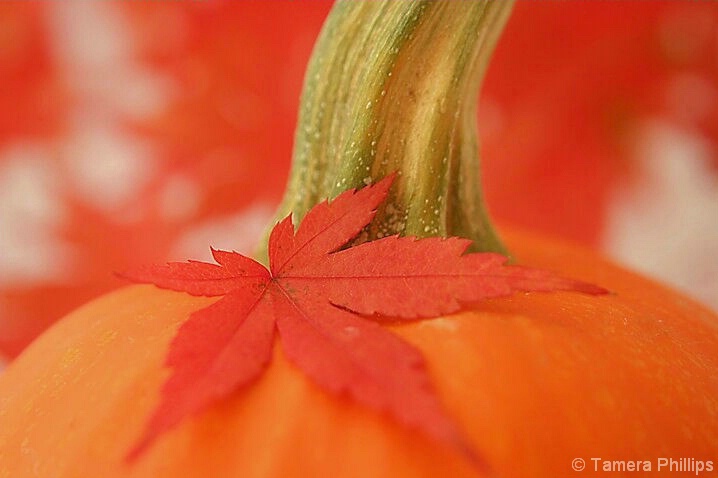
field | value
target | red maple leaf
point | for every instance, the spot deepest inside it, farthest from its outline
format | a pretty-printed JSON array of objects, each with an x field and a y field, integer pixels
[{"x": 327, "y": 304}]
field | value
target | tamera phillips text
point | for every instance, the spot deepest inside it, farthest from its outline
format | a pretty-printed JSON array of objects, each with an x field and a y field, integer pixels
[{"x": 682, "y": 465}]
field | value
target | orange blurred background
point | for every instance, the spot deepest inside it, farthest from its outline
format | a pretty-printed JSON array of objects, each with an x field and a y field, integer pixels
[{"x": 136, "y": 132}]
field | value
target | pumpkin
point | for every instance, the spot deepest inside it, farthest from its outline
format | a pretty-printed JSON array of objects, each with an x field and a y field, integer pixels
[{"x": 535, "y": 381}]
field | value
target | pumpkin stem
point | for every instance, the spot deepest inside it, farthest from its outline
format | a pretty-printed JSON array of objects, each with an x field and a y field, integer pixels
[{"x": 393, "y": 86}]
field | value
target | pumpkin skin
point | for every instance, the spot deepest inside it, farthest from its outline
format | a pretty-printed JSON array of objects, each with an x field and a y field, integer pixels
[{"x": 535, "y": 380}]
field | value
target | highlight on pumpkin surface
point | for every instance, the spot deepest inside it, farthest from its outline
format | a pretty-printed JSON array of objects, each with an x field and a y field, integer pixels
[{"x": 316, "y": 292}]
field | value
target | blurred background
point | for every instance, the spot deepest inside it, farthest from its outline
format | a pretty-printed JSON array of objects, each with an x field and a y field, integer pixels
[{"x": 139, "y": 132}]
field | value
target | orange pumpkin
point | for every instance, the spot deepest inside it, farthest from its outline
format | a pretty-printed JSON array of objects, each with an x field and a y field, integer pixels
[{"x": 535, "y": 380}]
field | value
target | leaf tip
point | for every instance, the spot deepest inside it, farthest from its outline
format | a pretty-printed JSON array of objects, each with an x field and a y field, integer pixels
[
  {"x": 477, "y": 461},
  {"x": 385, "y": 183},
  {"x": 137, "y": 450},
  {"x": 591, "y": 289}
]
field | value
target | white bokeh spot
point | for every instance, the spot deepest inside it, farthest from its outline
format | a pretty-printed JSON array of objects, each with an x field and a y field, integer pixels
[
  {"x": 239, "y": 232},
  {"x": 31, "y": 213},
  {"x": 667, "y": 225},
  {"x": 94, "y": 44},
  {"x": 107, "y": 168}
]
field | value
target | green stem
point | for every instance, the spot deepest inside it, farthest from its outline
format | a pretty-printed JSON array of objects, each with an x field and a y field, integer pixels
[{"x": 393, "y": 86}]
